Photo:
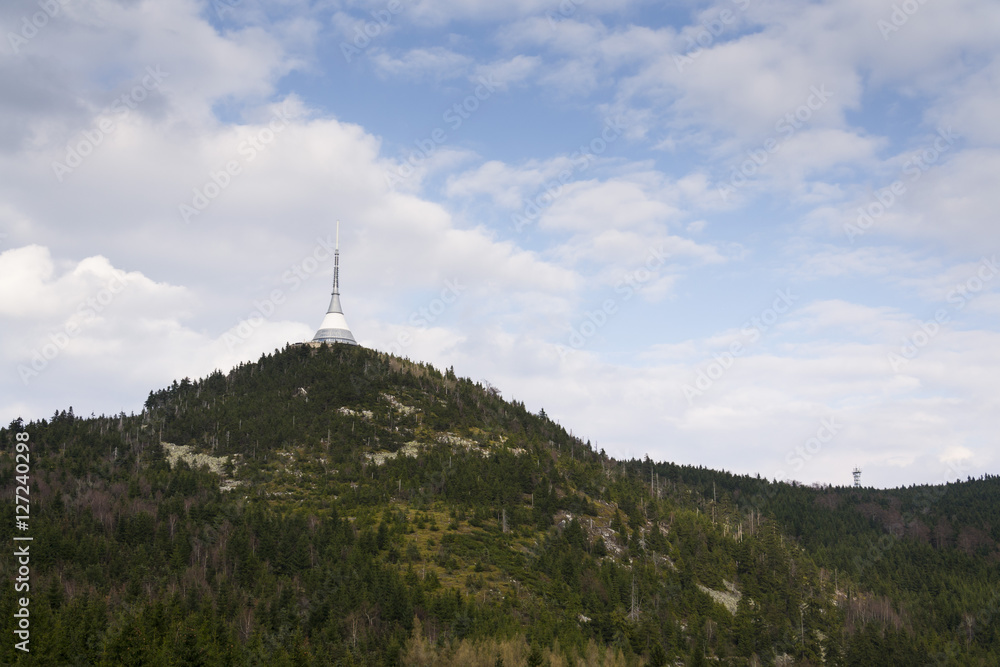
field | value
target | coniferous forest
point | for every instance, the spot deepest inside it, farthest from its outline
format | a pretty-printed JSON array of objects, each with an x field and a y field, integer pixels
[{"x": 335, "y": 505}]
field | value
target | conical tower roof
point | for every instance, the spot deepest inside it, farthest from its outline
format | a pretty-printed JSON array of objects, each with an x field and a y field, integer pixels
[{"x": 334, "y": 327}]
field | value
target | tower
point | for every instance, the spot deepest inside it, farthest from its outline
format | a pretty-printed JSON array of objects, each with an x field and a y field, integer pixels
[
  {"x": 857, "y": 478},
  {"x": 334, "y": 327}
]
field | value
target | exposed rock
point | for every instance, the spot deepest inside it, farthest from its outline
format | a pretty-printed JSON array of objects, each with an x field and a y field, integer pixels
[
  {"x": 452, "y": 439},
  {"x": 216, "y": 464},
  {"x": 729, "y": 598},
  {"x": 367, "y": 414},
  {"x": 396, "y": 405},
  {"x": 410, "y": 449}
]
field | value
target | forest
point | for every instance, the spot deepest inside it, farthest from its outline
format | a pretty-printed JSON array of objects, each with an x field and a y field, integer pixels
[{"x": 335, "y": 505}]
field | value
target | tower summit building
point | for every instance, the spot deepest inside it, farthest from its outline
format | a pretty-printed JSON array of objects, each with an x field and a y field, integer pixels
[{"x": 334, "y": 327}]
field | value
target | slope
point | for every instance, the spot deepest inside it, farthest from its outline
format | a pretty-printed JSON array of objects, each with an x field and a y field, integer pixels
[{"x": 336, "y": 505}]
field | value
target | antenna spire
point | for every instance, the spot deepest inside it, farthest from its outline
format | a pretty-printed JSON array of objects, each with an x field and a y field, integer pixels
[
  {"x": 334, "y": 328},
  {"x": 336, "y": 262}
]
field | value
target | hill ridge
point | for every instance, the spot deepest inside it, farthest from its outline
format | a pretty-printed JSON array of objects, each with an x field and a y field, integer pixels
[{"x": 498, "y": 535}]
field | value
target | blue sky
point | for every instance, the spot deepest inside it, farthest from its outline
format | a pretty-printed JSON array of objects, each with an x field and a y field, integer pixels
[{"x": 750, "y": 235}]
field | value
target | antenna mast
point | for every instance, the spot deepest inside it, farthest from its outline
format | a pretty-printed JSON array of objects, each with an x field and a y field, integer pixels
[
  {"x": 336, "y": 262},
  {"x": 334, "y": 328},
  {"x": 857, "y": 478}
]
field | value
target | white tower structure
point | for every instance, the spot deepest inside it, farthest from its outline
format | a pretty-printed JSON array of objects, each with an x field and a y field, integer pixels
[{"x": 334, "y": 327}]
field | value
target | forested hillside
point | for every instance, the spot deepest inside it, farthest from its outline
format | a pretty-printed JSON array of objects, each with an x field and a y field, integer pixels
[{"x": 339, "y": 506}]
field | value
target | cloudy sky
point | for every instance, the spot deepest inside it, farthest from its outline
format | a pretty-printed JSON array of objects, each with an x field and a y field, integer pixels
[{"x": 747, "y": 234}]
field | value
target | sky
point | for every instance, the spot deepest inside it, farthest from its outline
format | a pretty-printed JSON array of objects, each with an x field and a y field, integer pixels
[{"x": 751, "y": 235}]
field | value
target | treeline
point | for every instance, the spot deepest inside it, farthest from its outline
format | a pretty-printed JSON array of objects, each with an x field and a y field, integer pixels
[
  {"x": 295, "y": 397},
  {"x": 140, "y": 563},
  {"x": 934, "y": 550},
  {"x": 501, "y": 532}
]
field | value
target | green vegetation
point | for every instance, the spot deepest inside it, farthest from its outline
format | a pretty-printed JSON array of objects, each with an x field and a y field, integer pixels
[{"x": 353, "y": 508}]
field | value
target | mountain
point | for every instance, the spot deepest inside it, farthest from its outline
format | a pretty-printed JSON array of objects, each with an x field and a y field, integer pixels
[{"x": 334, "y": 505}]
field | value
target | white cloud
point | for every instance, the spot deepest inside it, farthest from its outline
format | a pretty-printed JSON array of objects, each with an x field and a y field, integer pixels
[
  {"x": 436, "y": 63},
  {"x": 767, "y": 63},
  {"x": 89, "y": 324},
  {"x": 890, "y": 264},
  {"x": 759, "y": 416},
  {"x": 505, "y": 184},
  {"x": 836, "y": 319},
  {"x": 954, "y": 203},
  {"x": 484, "y": 11},
  {"x": 956, "y": 454},
  {"x": 642, "y": 201},
  {"x": 31, "y": 290},
  {"x": 971, "y": 105},
  {"x": 509, "y": 72}
]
